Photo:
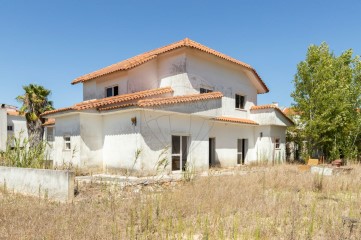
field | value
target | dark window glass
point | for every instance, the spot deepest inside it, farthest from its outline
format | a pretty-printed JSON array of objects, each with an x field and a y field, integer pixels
[
  {"x": 204, "y": 90},
  {"x": 109, "y": 92},
  {"x": 115, "y": 91},
  {"x": 175, "y": 144},
  {"x": 240, "y": 101}
]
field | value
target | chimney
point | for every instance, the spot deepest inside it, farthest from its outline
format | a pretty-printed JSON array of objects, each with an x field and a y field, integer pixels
[{"x": 275, "y": 103}]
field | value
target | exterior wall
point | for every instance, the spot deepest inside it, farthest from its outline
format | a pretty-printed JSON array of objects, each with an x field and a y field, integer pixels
[
  {"x": 226, "y": 136},
  {"x": 157, "y": 129},
  {"x": 49, "y": 152},
  {"x": 269, "y": 117},
  {"x": 265, "y": 145},
  {"x": 141, "y": 78},
  {"x": 210, "y": 72},
  {"x": 3, "y": 129},
  {"x": 67, "y": 126},
  {"x": 52, "y": 184},
  {"x": 121, "y": 140},
  {"x": 279, "y": 132},
  {"x": 19, "y": 127},
  {"x": 91, "y": 141}
]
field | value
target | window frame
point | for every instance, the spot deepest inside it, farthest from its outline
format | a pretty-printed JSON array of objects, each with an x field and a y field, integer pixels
[
  {"x": 238, "y": 106},
  {"x": 50, "y": 138},
  {"x": 203, "y": 90},
  {"x": 180, "y": 154},
  {"x": 113, "y": 91},
  {"x": 10, "y": 128},
  {"x": 67, "y": 142},
  {"x": 277, "y": 142}
]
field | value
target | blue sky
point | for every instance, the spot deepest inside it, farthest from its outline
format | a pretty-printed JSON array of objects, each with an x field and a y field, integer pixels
[{"x": 52, "y": 42}]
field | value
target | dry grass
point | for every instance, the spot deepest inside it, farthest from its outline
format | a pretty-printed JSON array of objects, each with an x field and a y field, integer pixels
[{"x": 269, "y": 203}]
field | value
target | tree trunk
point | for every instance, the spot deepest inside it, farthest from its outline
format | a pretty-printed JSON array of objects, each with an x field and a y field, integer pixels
[{"x": 36, "y": 132}]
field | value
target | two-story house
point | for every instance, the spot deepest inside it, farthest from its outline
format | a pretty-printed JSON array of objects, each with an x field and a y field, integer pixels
[
  {"x": 181, "y": 104},
  {"x": 12, "y": 124}
]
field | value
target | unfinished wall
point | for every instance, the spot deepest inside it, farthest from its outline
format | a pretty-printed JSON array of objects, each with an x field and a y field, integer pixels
[{"x": 52, "y": 184}]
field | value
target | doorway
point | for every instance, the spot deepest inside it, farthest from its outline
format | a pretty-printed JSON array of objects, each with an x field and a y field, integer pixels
[
  {"x": 212, "y": 151},
  {"x": 242, "y": 148}
]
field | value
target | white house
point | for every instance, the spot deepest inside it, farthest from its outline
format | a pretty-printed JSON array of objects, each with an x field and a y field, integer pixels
[
  {"x": 181, "y": 103},
  {"x": 11, "y": 124}
]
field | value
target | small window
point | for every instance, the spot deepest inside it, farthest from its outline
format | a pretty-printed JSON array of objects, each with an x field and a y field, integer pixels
[
  {"x": 277, "y": 143},
  {"x": 50, "y": 134},
  {"x": 67, "y": 143},
  {"x": 240, "y": 101},
  {"x": 10, "y": 128},
  {"x": 112, "y": 91},
  {"x": 205, "y": 90}
]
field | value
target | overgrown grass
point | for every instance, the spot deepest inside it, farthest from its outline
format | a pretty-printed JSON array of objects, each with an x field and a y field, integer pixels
[
  {"x": 276, "y": 202},
  {"x": 18, "y": 153}
]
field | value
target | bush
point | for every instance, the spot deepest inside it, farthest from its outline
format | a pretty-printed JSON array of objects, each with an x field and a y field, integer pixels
[{"x": 18, "y": 153}]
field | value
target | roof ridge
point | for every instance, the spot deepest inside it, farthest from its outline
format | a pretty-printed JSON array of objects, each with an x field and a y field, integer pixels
[{"x": 149, "y": 55}]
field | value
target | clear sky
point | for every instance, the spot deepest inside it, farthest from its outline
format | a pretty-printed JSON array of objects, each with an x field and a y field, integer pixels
[{"x": 52, "y": 42}]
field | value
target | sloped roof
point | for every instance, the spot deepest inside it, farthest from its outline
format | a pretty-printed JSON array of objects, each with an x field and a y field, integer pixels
[
  {"x": 167, "y": 101},
  {"x": 112, "y": 100},
  {"x": 145, "y": 57},
  {"x": 236, "y": 120},
  {"x": 271, "y": 106},
  {"x": 49, "y": 122}
]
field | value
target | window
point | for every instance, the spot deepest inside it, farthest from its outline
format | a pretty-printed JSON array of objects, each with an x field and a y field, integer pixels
[
  {"x": 67, "y": 143},
  {"x": 240, "y": 101},
  {"x": 179, "y": 152},
  {"x": 10, "y": 128},
  {"x": 205, "y": 90},
  {"x": 50, "y": 134},
  {"x": 112, "y": 91},
  {"x": 277, "y": 143}
]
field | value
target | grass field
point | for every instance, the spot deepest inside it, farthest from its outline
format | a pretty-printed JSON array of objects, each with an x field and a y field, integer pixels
[{"x": 277, "y": 202}]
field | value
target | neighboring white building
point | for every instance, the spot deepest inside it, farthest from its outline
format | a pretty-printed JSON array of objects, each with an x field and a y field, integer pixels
[
  {"x": 11, "y": 124},
  {"x": 182, "y": 103}
]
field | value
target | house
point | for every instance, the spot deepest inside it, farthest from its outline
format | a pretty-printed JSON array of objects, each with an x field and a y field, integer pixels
[
  {"x": 180, "y": 105},
  {"x": 12, "y": 123}
]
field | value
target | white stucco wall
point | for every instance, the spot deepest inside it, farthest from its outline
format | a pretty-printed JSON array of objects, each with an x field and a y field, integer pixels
[
  {"x": 269, "y": 116},
  {"x": 121, "y": 140},
  {"x": 3, "y": 129},
  {"x": 19, "y": 127},
  {"x": 157, "y": 129},
  {"x": 68, "y": 125},
  {"x": 91, "y": 144},
  {"x": 52, "y": 184},
  {"x": 226, "y": 136}
]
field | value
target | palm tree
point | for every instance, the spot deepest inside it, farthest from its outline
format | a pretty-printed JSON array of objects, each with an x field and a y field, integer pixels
[{"x": 34, "y": 103}]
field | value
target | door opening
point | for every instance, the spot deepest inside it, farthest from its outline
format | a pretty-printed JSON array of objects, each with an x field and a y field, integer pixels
[{"x": 212, "y": 151}]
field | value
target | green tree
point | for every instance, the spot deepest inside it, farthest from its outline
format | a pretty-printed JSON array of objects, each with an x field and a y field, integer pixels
[
  {"x": 327, "y": 96},
  {"x": 34, "y": 103}
]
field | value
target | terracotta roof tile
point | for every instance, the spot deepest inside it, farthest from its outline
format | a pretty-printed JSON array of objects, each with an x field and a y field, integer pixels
[
  {"x": 168, "y": 100},
  {"x": 49, "y": 122},
  {"x": 289, "y": 111},
  {"x": 13, "y": 113},
  {"x": 271, "y": 106},
  {"x": 179, "y": 99},
  {"x": 145, "y": 57},
  {"x": 235, "y": 120},
  {"x": 96, "y": 103}
]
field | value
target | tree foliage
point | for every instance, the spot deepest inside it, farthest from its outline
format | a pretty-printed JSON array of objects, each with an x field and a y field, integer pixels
[
  {"x": 35, "y": 102},
  {"x": 327, "y": 97}
]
